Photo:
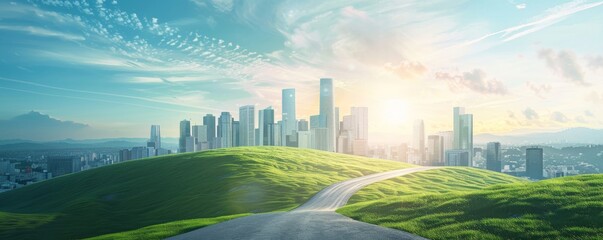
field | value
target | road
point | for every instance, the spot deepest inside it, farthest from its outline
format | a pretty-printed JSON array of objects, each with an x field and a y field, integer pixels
[{"x": 315, "y": 219}]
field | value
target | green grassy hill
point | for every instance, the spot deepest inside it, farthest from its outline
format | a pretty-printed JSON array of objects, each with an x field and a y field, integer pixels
[
  {"x": 458, "y": 204},
  {"x": 146, "y": 192}
]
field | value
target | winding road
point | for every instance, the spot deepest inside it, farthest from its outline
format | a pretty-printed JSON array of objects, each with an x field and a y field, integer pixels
[{"x": 315, "y": 219}]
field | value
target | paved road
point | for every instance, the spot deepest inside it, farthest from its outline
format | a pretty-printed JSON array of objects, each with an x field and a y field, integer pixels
[{"x": 315, "y": 219}]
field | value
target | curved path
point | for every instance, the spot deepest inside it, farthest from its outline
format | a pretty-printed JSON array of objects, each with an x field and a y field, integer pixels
[{"x": 315, "y": 219}]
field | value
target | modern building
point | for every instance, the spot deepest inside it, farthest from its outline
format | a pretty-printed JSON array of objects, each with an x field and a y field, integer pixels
[
  {"x": 209, "y": 120},
  {"x": 247, "y": 125},
  {"x": 435, "y": 150},
  {"x": 200, "y": 135},
  {"x": 302, "y": 125},
  {"x": 142, "y": 152},
  {"x": 236, "y": 141},
  {"x": 61, "y": 165},
  {"x": 319, "y": 139},
  {"x": 418, "y": 139},
  {"x": 534, "y": 162},
  {"x": 463, "y": 131},
  {"x": 190, "y": 143},
  {"x": 185, "y": 131},
  {"x": 457, "y": 157},
  {"x": 225, "y": 130},
  {"x": 124, "y": 155},
  {"x": 278, "y": 133},
  {"x": 447, "y": 140},
  {"x": 316, "y": 121},
  {"x": 361, "y": 122},
  {"x": 304, "y": 139},
  {"x": 327, "y": 111},
  {"x": 155, "y": 138},
  {"x": 289, "y": 117},
  {"x": 493, "y": 157},
  {"x": 266, "y": 125}
]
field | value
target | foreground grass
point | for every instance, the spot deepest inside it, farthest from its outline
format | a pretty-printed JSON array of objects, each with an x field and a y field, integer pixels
[
  {"x": 565, "y": 208},
  {"x": 165, "y": 230},
  {"x": 146, "y": 192}
]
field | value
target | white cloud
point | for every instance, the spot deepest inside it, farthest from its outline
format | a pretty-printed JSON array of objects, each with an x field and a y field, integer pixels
[
  {"x": 43, "y": 32},
  {"x": 564, "y": 63}
]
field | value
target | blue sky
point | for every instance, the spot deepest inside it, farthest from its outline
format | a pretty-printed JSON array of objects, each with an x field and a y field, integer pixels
[{"x": 120, "y": 66}]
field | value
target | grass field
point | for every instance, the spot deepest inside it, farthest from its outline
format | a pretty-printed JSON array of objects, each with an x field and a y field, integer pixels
[
  {"x": 564, "y": 208},
  {"x": 152, "y": 191}
]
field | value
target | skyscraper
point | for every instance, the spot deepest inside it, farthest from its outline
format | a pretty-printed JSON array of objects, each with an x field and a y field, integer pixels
[
  {"x": 457, "y": 157},
  {"x": 361, "y": 121},
  {"x": 236, "y": 126},
  {"x": 493, "y": 157},
  {"x": 185, "y": 131},
  {"x": 200, "y": 135},
  {"x": 419, "y": 140},
  {"x": 534, "y": 162},
  {"x": 225, "y": 130},
  {"x": 267, "y": 126},
  {"x": 247, "y": 125},
  {"x": 302, "y": 125},
  {"x": 209, "y": 120},
  {"x": 327, "y": 111},
  {"x": 463, "y": 131},
  {"x": 289, "y": 116},
  {"x": 435, "y": 153},
  {"x": 155, "y": 136}
]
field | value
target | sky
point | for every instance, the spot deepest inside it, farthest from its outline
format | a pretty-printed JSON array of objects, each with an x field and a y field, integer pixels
[{"x": 118, "y": 66}]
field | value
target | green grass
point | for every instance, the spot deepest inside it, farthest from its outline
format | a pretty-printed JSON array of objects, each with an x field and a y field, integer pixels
[
  {"x": 146, "y": 192},
  {"x": 165, "y": 230},
  {"x": 564, "y": 208}
]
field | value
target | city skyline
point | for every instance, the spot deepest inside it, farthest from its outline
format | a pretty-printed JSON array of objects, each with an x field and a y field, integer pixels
[{"x": 147, "y": 66}]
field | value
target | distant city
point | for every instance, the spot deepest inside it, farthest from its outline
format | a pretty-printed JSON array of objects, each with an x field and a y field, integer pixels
[{"x": 326, "y": 131}]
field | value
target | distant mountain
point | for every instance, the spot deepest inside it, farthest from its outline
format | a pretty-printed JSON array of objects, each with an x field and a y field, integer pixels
[
  {"x": 35, "y": 125},
  {"x": 20, "y": 145},
  {"x": 569, "y": 136}
]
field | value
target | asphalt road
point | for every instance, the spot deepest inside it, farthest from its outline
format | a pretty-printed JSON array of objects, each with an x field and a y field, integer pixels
[{"x": 315, "y": 219}]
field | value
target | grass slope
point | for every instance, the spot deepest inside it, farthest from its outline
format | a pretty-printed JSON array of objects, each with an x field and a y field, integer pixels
[
  {"x": 163, "y": 189},
  {"x": 565, "y": 208}
]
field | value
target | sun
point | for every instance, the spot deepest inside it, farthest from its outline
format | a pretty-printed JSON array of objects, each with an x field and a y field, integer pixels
[{"x": 395, "y": 111}]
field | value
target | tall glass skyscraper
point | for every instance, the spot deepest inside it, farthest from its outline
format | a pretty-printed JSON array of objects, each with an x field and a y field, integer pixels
[
  {"x": 493, "y": 157},
  {"x": 225, "y": 130},
  {"x": 247, "y": 125},
  {"x": 209, "y": 120},
  {"x": 463, "y": 131},
  {"x": 185, "y": 133},
  {"x": 155, "y": 136},
  {"x": 327, "y": 112},
  {"x": 289, "y": 115},
  {"x": 266, "y": 126},
  {"x": 534, "y": 162}
]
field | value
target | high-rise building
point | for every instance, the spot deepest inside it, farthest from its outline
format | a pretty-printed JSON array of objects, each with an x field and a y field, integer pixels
[
  {"x": 304, "y": 139},
  {"x": 534, "y": 162},
  {"x": 493, "y": 157},
  {"x": 348, "y": 134},
  {"x": 267, "y": 126},
  {"x": 61, "y": 165},
  {"x": 200, "y": 135},
  {"x": 288, "y": 115},
  {"x": 447, "y": 140},
  {"x": 185, "y": 131},
  {"x": 155, "y": 138},
  {"x": 435, "y": 150},
  {"x": 247, "y": 125},
  {"x": 209, "y": 120},
  {"x": 225, "y": 130},
  {"x": 361, "y": 121},
  {"x": 457, "y": 157},
  {"x": 327, "y": 111},
  {"x": 319, "y": 139},
  {"x": 419, "y": 141},
  {"x": 278, "y": 133},
  {"x": 463, "y": 131},
  {"x": 236, "y": 126},
  {"x": 302, "y": 125},
  {"x": 315, "y": 121}
]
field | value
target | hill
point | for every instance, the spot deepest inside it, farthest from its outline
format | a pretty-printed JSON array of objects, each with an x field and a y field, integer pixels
[
  {"x": 567, "y": 137},
  {"x": 151, "y": 191},
  {"x": 564, "y": 208}
]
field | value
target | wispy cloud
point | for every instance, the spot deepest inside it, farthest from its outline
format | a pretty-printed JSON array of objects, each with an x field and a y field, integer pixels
[
  {"x": 43, "y": 32},
  {"x": 475, "y": 80},
  {"x": 564, "y": 63}
]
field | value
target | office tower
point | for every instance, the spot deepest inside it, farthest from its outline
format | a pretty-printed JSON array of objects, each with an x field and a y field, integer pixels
[
  {"x": 327, "y": 111},
  {"x": 319, "y": 139},
  {"x": 267, "y": 126},
  {"x": 155, "y": 138},
  {"x": 447, "y": 140},
  {"x": 463, "y": 131},
  {"x": 190, "y": 144},
  {"x": 435, "y": 153},
  {"x": 61, "y": 165},
  {"x": 302, "y": 125},
  {"x": 457, "y": 157},
  {"x": 288, "y": 115},
  {"x": 236, "y": 141},
  {"x": 247, "y": 125},
  {"x": 361, "y": 120},
  {"x": 142, "y": 152},
  {"x": 304, "y": 139},
  {"x": 258, "y": 137},
  {"x": 278, "y": 133},
  {"x": 348, "y": 133},
  {"x": 315, "y": 121},
  {"x": 200, "y": 135},
  {"x": 209, "y": 120},
  {"x": 225, "y": 129},
  {"x": 124, "y": 155},
  {"x": 534, "y": 162},
  {"x": 185, "y": 131},
  {"x": 419, "y": 141},
  {"x": 493, "y": 157}
]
